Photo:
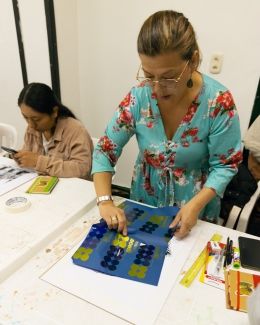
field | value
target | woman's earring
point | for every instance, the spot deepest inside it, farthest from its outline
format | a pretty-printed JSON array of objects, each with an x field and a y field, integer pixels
[{"x": 190, "y": 83}]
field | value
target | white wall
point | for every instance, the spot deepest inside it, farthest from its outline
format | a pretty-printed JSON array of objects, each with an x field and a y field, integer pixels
[
  {"x": 11, "y": 82},
  {"x": 108, "y": 61},
  {"x": 67, "y": 42},
  {"x": 35, "y": 39}
]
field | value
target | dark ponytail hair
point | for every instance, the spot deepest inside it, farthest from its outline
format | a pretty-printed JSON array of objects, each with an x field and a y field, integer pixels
[{"x": 42, "y": 99}]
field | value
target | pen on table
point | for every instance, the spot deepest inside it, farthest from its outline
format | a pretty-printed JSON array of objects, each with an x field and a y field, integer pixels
[
  {"x": 207, "y": 256},
  {"x": 219, "y": 264},
  {"x": 225, "y": 261},
  {"x": 217, "y": 254},
  {"x": 229, "y": 253}
]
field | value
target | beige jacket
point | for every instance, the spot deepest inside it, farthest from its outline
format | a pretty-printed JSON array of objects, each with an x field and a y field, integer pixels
[{"x": 69, "y": 153}]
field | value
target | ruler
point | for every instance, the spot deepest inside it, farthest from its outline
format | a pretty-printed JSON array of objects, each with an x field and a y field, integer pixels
[{"x": 197, "y": 265}]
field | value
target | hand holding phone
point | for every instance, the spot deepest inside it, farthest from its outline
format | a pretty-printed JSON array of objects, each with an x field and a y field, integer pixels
[{"x": 11, "y": 151}]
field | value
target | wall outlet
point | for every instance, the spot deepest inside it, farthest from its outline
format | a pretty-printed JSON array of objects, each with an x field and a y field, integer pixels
[{"x": 216, "y": 62}]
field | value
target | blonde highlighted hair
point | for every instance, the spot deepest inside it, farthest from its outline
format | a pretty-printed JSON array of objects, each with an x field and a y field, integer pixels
[{"x": 167, "y": 31}]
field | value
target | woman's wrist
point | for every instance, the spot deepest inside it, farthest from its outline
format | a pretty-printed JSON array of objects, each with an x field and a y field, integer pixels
[
  {"x": 103, "y": 203},
  {"x": 200, "y": 200},
  {"x": 104, "y": 198}
]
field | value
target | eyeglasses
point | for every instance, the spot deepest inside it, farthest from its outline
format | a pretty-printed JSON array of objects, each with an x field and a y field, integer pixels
[{"x": 164, "y": 83}]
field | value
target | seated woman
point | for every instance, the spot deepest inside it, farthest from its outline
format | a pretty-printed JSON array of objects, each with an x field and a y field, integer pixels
[{"x": 55, "y": 142}]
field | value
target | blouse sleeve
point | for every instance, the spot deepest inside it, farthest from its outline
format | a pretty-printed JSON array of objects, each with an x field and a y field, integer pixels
[
  {"x": 224, "y": 142},
  {"x": 117, "y": 133}
]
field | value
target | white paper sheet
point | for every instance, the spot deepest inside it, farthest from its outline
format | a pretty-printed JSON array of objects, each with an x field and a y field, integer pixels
[
  {"x": 12, "y": 176},
  {"x": 133, "y": 301}
]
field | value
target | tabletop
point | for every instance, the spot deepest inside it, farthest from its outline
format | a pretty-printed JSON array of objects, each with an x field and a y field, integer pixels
[
  {"x": 22, "y": 235},
  {"x": 26, "y": 299}
]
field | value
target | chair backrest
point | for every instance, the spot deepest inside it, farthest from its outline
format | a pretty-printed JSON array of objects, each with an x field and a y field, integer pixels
[
  {"x": 95, "y": 141},
  {"x": 8, "y": 137}
]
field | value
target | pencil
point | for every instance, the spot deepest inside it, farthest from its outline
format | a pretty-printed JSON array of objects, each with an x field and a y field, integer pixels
[
  {"x": 225, "y": 261},
  {"x": 220, "y": 260},
  {"x": 207, "y": 256}
]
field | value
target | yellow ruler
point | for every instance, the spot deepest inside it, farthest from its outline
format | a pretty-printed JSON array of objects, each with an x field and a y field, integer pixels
[{"x": 197, "y": 265}]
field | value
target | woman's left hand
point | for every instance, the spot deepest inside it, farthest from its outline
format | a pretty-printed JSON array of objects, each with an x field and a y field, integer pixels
[
  {"x": 188, "y": 215},
  {"x": 26, "y": 158}
]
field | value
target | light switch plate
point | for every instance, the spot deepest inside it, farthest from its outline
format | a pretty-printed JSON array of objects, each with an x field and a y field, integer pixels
[{"x": 216, "y": 63}]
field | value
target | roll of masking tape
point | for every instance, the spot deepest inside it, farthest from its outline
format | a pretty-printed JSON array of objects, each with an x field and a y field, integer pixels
[{"x": 17, "y": 204}]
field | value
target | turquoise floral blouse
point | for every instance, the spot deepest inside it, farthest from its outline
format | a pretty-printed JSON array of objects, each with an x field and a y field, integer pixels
[{"x": 204, "y": 151}]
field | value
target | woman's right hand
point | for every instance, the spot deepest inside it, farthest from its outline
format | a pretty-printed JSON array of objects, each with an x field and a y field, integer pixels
[
  {"x": 114, "y": 216},
  {"x": 26, "y": 158},
  {"x": 15, "y": 159}
]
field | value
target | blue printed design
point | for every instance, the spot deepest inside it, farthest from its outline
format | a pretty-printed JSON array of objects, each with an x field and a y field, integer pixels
[
  {"x": 169, "y": 234},
  {"x": 144, "y": 255},
  {"x": 111, "y": 260},
  {"x": 133, "y": 214},
  {"x": 90, "y": 242},
  {"x": 149, "y": 227},
  {"x": 94, "y": 236}
]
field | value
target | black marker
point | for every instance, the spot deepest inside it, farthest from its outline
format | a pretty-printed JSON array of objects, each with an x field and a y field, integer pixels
[
  {"x": 225, "y": 261},
  {"x": 229, "y": 254}
]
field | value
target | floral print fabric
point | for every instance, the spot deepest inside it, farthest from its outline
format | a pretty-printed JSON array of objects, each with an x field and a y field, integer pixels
[{"x": 204, "y": 151}]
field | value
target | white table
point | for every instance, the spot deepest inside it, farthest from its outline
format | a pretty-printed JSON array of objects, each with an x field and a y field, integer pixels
[
  {"x": 26, "y": 299},
  {"x": 24, "y": 234}
]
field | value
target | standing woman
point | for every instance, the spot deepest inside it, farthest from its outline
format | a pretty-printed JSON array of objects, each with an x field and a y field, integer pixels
[
  {"x": 186, "y": 126},
  {"x": 55, "y": 142}
]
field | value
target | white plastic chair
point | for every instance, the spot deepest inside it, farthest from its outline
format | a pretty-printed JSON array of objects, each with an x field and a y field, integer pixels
[
  {"x": 232, "y": 218},
  {"x": 243, "y": 214},
  {"x": 95, "y": 141},
  {"x": 247, "y": 210},
  {"x": 8, "y": 137}
]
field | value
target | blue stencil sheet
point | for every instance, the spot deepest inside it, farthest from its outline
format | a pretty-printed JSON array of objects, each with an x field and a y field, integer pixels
[
  {"x": 154, "y": 221},
  {"x": 138, "y": 256}
]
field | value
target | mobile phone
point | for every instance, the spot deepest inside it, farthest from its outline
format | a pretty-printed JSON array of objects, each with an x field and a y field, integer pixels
[
  {"x": 249, "y": 248},
  {"x": 11, "y": 151}
]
